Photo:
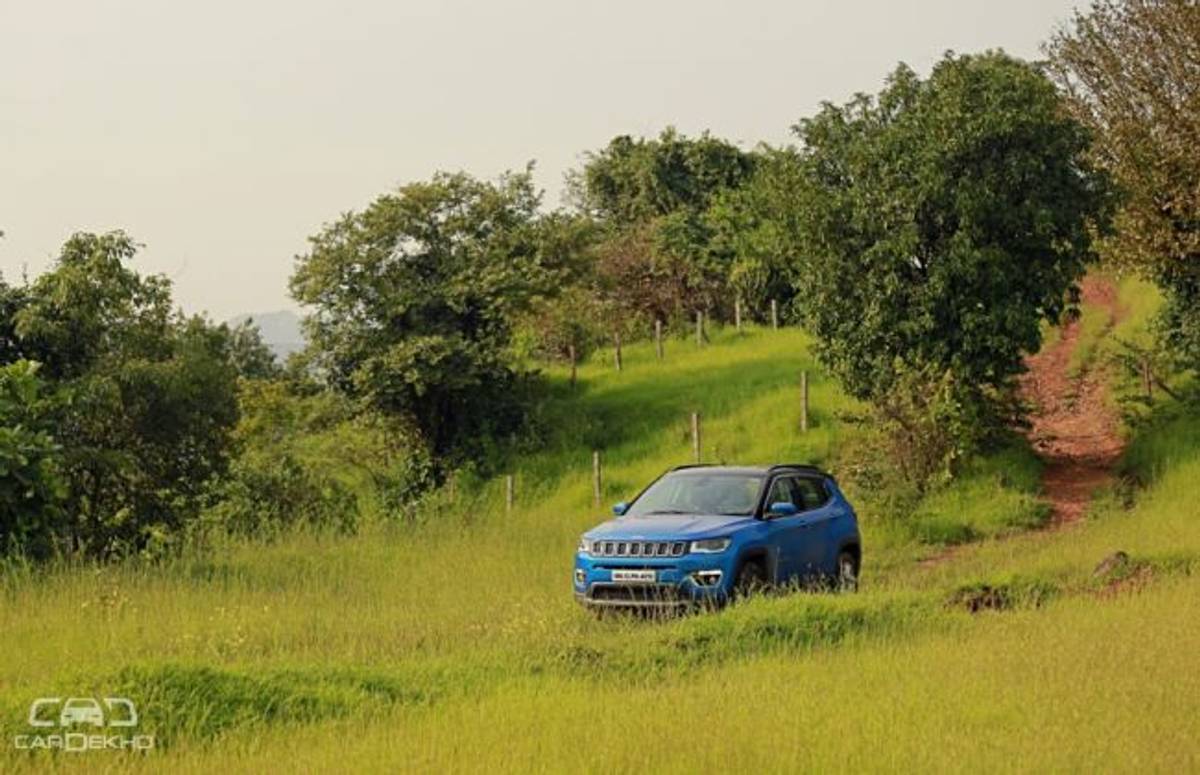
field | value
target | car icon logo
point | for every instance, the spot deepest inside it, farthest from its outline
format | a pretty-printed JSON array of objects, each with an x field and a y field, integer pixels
[{"x": 81, "y": 710}]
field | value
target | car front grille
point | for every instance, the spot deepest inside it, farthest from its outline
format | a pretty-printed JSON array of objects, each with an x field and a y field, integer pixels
[
  {"x": 644, "y": 593},
  {"x": 639, "y": 548}
]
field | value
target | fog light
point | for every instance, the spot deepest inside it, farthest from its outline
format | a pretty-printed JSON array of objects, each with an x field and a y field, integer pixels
[
  {"x": 707, "y": 578},
  {"x": 580, "y": 576}
]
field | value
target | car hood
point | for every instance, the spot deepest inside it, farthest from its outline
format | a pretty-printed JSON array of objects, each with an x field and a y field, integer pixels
[{"x": 669, "y": 526}]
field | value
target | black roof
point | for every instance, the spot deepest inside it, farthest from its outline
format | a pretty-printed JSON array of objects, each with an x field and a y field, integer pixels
[{"x": 798, "y": 467}]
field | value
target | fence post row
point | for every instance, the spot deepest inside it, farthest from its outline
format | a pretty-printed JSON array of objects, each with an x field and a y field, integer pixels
[
  {"x": 658, "y": 344},
  {"x": 696, "y": 436},
  {"x": 617, "y": 355},
  {"x": 574, "y": 362},
  {"x": 774, "y": 314},
  {"x": 737, "y": 315},
  {"x": 508, "y": 492},
  {"x": 699, "y": 328}
]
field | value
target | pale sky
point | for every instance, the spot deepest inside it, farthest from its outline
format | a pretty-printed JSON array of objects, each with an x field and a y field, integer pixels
[{"x": 222, "y": 134}]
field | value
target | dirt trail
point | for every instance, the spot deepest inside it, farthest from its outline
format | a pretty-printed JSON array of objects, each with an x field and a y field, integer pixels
[{"x": 1074, "y": 429}]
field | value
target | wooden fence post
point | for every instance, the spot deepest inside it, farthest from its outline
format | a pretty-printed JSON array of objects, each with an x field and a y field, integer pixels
[
  {"x": 774, "y": 314},
  {"x": 658, "y": 345},
  {"x": 617, "y": 353},
  {"x": 574, "y": 361},
  {"x": 804, "y": 401},
  {"x": 737, "y": 315},
  {"x": 508, "y": 493},
  {"x": 596, "y": 477},
  {"x": 699, "y": 328},
  {"x": 696, "y": 436}
]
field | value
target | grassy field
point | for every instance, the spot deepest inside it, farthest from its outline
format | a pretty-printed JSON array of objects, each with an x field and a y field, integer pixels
[{"x": 455, "y": 644}]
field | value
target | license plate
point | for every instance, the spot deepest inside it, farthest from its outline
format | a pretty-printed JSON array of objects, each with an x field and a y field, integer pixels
[{"x": 634, "y": 576}]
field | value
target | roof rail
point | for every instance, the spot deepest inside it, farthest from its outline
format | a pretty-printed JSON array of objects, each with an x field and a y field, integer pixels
[
  {"x": 693, "y": 465},
  {"x": 798, "y": 466}
]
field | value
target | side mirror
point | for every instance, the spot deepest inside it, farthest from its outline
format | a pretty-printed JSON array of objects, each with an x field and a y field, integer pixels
[
  {"x": 620, "y": 508},
  {"x": 782, "y": 509}
]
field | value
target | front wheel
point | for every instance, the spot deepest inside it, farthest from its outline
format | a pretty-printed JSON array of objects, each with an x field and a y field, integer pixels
[
  {"x": 750, "y": 580},
  {"x": 847, "y": 572}
]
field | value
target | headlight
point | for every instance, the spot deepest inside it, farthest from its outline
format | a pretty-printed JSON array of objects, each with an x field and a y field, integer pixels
[
  {"x": 585, "y": 546},
  {"x": 710, "y": 545}
]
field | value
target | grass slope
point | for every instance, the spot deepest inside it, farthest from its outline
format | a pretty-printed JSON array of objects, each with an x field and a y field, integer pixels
[{"x": 455, "y": 643}]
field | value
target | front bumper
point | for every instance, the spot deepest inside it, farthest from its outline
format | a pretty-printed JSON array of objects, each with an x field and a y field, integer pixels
[{"x": 680, "y": 582}]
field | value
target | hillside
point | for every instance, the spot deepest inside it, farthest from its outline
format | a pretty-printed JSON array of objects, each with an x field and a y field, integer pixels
[{"x": 453, "y": 642}]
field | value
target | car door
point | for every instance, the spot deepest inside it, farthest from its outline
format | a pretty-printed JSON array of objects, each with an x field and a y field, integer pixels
[
  {"x": 818, "y": 516},
  {"x": 788, "y": 534}
]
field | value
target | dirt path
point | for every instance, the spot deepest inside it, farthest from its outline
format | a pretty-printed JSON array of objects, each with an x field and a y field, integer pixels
[{"x": 1074, "y": 429}]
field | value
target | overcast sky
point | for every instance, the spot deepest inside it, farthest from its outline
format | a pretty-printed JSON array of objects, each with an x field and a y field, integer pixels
[{"x": 221, "y": 134}]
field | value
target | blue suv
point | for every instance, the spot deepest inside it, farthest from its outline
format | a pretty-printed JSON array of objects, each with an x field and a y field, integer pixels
[{"x": 705, "y": 534}]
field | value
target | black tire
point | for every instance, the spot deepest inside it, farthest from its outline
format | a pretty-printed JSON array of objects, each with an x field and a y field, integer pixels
[
  {"x": 847, "y": 572},
  {"x": 751, "y": 579}
]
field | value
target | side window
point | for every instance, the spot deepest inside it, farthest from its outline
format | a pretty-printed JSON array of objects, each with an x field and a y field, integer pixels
[
  {"x": 783, "y": 490},
  {"x": 813, "y": 494}
]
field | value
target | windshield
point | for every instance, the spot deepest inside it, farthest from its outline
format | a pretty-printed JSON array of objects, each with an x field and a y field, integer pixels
[{"x": 735, "y": 494}]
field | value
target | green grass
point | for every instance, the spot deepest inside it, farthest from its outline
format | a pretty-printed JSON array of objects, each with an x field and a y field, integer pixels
[{"x": 454, "y": 643}]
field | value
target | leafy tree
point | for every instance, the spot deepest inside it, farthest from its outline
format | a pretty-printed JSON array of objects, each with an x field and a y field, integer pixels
[
  {"x": 148, "y": 396},
  {"x": 651, "y": 197},
  {"x": 941, "y": 221},
  {"x": 32, "y": 489},
  {"x": 413, "y": 301},
  {"x": 757, "y": 230},
  {"x": 631, "y": 181},
  {"x": 1131, "y": 71}
]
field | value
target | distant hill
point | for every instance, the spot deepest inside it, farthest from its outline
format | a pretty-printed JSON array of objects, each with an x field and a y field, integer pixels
[{"x": 280, "y": 330}]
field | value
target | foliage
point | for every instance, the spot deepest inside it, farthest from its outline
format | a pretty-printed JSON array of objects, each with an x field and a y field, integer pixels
[
  {"x": 413, "y": 301},
  {"x": 251, "y": 356},
  {"x": 756, "y": 227},
  {"x": 1129, "y": 69},
  {"x": 657, "y": 258},
  {"x": 633, "y": 181},
  {"x": 941, "y": 221},
  {"x": 265, "y": 495},
  {"x": 147, "y": 397},
  {"x": 31, "y": 486}
]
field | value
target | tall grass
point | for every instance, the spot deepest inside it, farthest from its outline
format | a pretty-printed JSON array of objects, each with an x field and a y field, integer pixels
[{"x": 455, "y": 643}]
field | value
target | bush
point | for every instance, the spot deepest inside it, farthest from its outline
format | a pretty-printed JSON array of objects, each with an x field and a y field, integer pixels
[{"x": 265, "y": 496}]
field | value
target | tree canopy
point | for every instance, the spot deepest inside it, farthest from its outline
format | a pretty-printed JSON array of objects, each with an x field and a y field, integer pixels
[
  {"x": 412, "y": 301},
  {"x": 1131, "y": 71},
  {"x": 941, "y": 221}
]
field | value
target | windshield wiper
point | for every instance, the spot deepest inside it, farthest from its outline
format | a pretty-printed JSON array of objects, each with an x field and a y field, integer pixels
[{"x": 667, "y": 511}]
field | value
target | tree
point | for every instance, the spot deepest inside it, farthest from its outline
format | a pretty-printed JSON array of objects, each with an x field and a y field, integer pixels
[
  {"x": 1131, "y": 71},
  {"x": 942, "y": 221},
  {"x": 651, "y": 198},
  {"x": 147, "y": 397},
  {"x": 631, "y": 181},
  {"x": 756, "y": 229},
  {"x": 413, "y": 301}
]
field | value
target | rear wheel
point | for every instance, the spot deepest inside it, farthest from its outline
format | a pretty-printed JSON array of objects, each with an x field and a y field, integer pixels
[
  {"x": 847, "y": 571},
  {"x": 751, "y": 579}
]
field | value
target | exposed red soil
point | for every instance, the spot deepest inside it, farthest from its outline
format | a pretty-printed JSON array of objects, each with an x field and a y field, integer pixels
[{"x": 1074, "y": 429}]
